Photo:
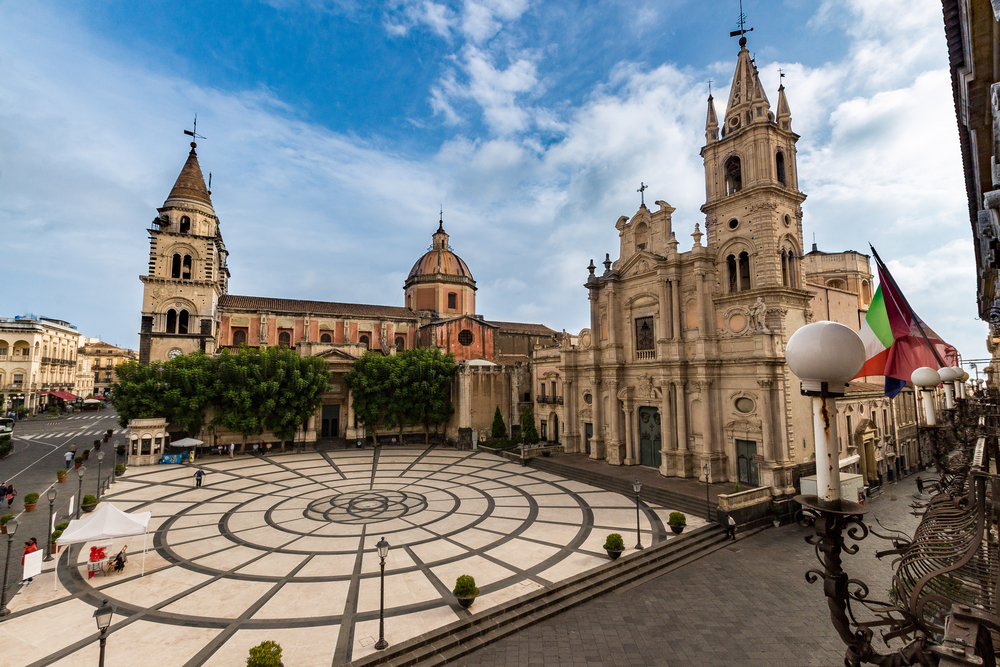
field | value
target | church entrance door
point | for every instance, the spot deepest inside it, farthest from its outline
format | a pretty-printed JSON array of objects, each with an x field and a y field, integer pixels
[
  {"x": 649, "y": 437},
  {"x": 588, "y": 433},
  {"x": 331, "y": 421},
  {"x": 745, "y": 451}
]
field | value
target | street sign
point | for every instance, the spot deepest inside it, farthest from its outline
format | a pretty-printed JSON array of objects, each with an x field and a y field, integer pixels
[{"x": 758, "y": 458}]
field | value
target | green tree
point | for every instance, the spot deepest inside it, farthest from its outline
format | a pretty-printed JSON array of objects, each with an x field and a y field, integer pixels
[
  {"x": 372, "y": 381},
  {"x": 528, "y": 431},
  {"x": 425, "y": 392},
  {"x": 499, "y": 428},
  {"x": 246, "y": 392},
  {"x": 138, "y": 393},
  {"x": 301, "y": 384},
  {"x": 188, "y": 390}
]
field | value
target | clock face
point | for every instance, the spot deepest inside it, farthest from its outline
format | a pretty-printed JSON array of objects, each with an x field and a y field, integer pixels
[{"x": 176, "y": 352}]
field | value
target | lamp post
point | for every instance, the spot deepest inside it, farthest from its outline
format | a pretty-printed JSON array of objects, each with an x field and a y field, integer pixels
[
  {"x": 637, "y": 487},
  {"x": 51, "y": 495},
  {"x": 100, "y": 459},
  {"x": 383, "y": 551},
  {"x": 11, "y": 529},
  {"x": 708, "y": 501},
  {"x": 948, "y": 377},
  {"x": 103, "y": 616},
  {"x": 926, "y": 379},
  {"x": 80, "y": 471}
]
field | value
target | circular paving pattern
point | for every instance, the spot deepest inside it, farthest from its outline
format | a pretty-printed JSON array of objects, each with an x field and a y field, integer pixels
[{"x": 286, "y": 544}]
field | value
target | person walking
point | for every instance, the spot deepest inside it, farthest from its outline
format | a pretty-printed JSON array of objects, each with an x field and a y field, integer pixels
[
  {"x": 11, "y": 494},
  {"x": 731, "y": 527},
  {"x": 920, "y": 485},
  {"x": 69, "y": 459},
  {"x": 72, "y": 450},
  {"x": 268, "y": 447},
  {"x": 3, "y": 492},
  {"x": 232, "y": 448},
  {"x": 29, "y": 547},
  {"x": 198, "y": 476}
]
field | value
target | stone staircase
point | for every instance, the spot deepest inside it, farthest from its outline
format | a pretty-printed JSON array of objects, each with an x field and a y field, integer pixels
[
  {"x": 650, "y": 494},
  {"x": 451, "y": 642}
]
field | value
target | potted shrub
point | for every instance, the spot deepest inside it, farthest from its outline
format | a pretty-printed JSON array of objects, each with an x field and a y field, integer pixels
[
  {"x": 30, "y": 500},
  {"x": 55, "y": 536},
  {"x": 465, "y": 590},
  {"x": 3, "y": 522},
  {"x": 77, "y": 462},
  {"x": 61, "y": 475},
  {"x": 265, "y": 654},
  {"x": 107, "y": 435},
  {"x": 86, "y": 454},
  {"x": 97, "y": 444},
  {"x": 119, "y": 470},
  {"x": 614, "y": 545},
  {"x": 677, "y": 521},
  {"x": 120, "y": 450},
  {"x": 775, "y": 510},
  {"x": 89, "y": 503}
]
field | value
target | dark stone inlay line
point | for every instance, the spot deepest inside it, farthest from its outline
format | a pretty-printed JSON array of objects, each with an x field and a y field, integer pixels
[
  {"x": 326, "y": 455},
  {"x": 445, "y": 592},
  {"x": 378, "y": 448},
  {"x": 417, "y": 460},
  {"x": 345, "y": 640}
]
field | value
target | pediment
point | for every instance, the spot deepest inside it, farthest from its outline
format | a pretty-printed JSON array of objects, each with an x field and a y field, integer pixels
[
  {"x": 337, "y": 354},
  {"x": 638, "y": 264}
]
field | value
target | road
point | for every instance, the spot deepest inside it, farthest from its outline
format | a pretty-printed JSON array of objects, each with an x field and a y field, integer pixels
[{"x": 39, "y": 447}]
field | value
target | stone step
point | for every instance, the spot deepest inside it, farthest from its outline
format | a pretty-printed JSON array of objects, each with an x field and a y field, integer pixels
[{"x": 462, "y": 637}]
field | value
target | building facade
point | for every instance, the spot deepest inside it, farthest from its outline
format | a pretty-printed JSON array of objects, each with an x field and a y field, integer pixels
[
  {"x": 37, "y": 361},
  {"x": 104, "y": 359}
]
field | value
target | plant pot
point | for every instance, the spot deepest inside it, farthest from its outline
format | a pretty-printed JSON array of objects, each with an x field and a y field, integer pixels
[
  {"x": 677, "y": 529},
  {"x": 88, "y": 508},
  {"x": 466, "y": 602},
  {"x": 613, "y": 554},
  {"x": 61, "y": 480},
  {"x": 97, "y": 445},
  {"x": 86, "y": 455},
  {"x": 119, "y": 474},
  {"x": 3, "y": 530},
  {"x": 77, "y": 465},
  {"x": 776, "y": 522},
  {"x": 30, "y": 507}
]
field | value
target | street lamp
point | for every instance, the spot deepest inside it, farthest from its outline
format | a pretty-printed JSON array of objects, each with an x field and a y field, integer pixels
[
  {"x": 103, "y": 616},
  {"x": 948, "y": 377},
  {"x": 927, "y": 378},
  {"x": 11, "y": 527},
  {"x": 637, "y": 487},
  {"x": 100, "y": 459},
  {"x": 51, "y": 495},
  {"x": 708, "y": 502},
  {"x": 962, "y": 382},
  {"x": 80, "y": 471},
  {"x": 383, "y": 551}
]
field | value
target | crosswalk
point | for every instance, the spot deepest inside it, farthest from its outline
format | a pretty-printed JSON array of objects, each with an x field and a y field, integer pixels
[
  {"x": 65, "y": 434},
  {"x": 88, "y": 417}
]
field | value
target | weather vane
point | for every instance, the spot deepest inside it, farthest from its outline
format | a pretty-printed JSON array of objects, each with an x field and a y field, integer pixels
[
  {"x": 642, "y": 191},
  {"x": 193, "y": 133},
  {"x": 743, "y": 29}
]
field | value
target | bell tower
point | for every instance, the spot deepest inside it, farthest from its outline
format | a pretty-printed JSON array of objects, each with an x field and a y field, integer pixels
[
  {"x": 187, "y": 271},
  {"x": 753, "y": 214}
]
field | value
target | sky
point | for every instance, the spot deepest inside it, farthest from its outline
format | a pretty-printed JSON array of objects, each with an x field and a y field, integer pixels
[{"x": 337, "y": 129}]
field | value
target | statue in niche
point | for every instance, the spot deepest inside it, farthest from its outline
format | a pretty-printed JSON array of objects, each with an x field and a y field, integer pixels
[{"x": 757, "y": 313}]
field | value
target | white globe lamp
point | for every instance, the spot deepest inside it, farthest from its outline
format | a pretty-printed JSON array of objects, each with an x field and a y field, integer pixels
[
  {"x": 927, "y": 378},
  {"x": 948, "y": 377}
]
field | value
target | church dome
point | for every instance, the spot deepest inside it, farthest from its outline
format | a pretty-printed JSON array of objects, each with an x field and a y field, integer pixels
[{"x": 439, "y": 261}]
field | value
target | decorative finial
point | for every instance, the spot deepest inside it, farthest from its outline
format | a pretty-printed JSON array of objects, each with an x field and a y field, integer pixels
[
  {"x": 607, "y": 261},
  {"x": 441, "y": 220},
  {"x": 696, "y": 235},
  {"x": 642, "y": 195},
  {"x": 743, "y": 29},
  {"x": 209, "y": 182},
  {"x": 591, "y": 268},
  {"x": 193, "y": 133}
]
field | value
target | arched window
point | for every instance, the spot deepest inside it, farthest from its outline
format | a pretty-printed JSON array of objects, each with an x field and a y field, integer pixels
[
  {"x": 866, "y": 291},
  {"x": 734, "y": 175},
  {"x": 785, "y": 269},
  {"x": 641, "y": 236},
  {"x": 325, "y": 338},
  {"x": 364, "y": 341},
  {"x": 239, "y": 337},
  {"x": 147, "y": 444},
  {"x": 171, "y": 321},
  {"x": 185, "y": 225},
  {"x": 836, "y": 283},
  {"x": 779, "y": 167},
  {"x": 734, "y": 278},
  {"x": 175, "y": 267},
  {"x": 285, "y": 339},
  {"x": 744, "y": 261},
  {"x": 400, "y": 343},
  {"x": 182, "y": 322},
  {"x": 186, "y": 272}
]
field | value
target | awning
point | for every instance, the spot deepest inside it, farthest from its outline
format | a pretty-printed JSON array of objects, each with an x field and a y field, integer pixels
[
  {"x": 65, "y": 395},
  {"x": 850, "y": 460},
  {"x": 186, "y": 442}
]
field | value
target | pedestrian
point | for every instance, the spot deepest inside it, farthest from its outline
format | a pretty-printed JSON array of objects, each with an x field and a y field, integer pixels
[
  {"x": 72, "y": 449},
  {"x": 3, "y": 492},
  {"x": 731, "y": 527},
  {"x": 232, "y": 448},
  {"x": 11, "y": 494},
  {"x": 920, "y": 485},
  {"x": 69, "y": 459},
  {"x": 268, "y": 446},
  {"x": 198, "y": 476},
  {"x": 29, "y": 547},
  {"x": 256, "y": 448}
]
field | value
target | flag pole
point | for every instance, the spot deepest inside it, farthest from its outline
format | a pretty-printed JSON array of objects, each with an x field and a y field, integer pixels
[{"x": 906, "y": 304}]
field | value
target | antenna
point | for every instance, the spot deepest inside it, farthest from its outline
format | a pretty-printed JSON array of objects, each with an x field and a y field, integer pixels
[
  {"x": 209, "y": 182},
  {"x": 193, "y": 133},
  {"x": 743, "y": 29}
]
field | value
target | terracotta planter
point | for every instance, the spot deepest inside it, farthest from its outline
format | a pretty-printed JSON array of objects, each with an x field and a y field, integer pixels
[
  {"x": 77, "y": 464},
  {"x": 3, "y": 530},
  {"x": 30, "y": 507},
  {"x": 119, "y": 474},
  {"x": 62, "y": 480},
  {"x": 677, "y": 529},
  {"x": 86, "y": 455},
  {"x": 613, "y": 554},
  {"x": 97, "y": 445}
]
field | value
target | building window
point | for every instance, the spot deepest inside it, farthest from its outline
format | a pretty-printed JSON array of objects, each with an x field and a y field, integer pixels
[
  {"x": 325, "y": 338},
  {"x": 553, "y": 388},
  {"x": 239, "y": 337},
  {"x": 465, "y": 337},
  {"x": 185, "y": 225},
  {"x": 850, "y": 433},
  {"x": 734, "y": 223},
  {"x": 17, "y": 378},
  {"x": 734, "y": 176},
  {"x": 588, "y": 399},
  {"x": 186, "y": 270},
  {"x": 641, "y": 236},
  {"x": 644, "y": 333},
  {"x": 744, "y": 404},
  {"x": 452, "y": 300},
  {"x": 175, "y": 267},
  {"x": 733, "y": 273},
  {"x": 364, "y": 341},
  {"x": 400, "y": 343},
  {"x": 779, "y": 167},
  {"x": 285, "y": 339},
  {"x": 182, "y": 322},
  {"x": 744, "y": 261},
  {"x": 543, "y": 432},
  {"x": 171, "y": 321}
]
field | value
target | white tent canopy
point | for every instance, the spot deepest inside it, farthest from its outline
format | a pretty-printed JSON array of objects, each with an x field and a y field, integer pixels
[
  {"x": 106, "y": 523},
  {"x": 186, "y": 442}
]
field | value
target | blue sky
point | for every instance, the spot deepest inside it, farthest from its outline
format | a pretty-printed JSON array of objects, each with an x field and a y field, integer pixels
[{"x": 335, "y": 129}]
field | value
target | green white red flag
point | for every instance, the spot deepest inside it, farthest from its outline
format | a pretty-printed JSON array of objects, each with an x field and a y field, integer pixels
[{"x": 897, "y": 342}]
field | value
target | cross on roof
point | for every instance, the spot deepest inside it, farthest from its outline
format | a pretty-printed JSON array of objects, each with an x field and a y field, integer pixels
[
  {"x": 709, "y": 87},
  {"x": 641, "y": 191}
]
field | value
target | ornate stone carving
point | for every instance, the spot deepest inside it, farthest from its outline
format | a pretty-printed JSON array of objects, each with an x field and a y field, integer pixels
[
  {"x": 758, "y": 313},
  {"x": 768, "y": 205},
  {"x": 696, "y": 386},
  {"x": 808, "y": 315},
  {"x": 645, "y": 386},
  {"x": 765, "y": 383},
  {"x": 587, "y": 414},
  {"x": 744, "y": 425}
]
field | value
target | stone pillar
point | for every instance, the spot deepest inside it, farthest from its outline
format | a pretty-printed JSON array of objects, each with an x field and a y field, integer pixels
[
  {"x": 699, "y": 277},
  {"x": 569, "y": 418},
  {"x": 597, "y": 441},
  {"x": 666, "y": 312},
  {"x": 681, "y": 405},
  {"x": 675, "y": 288},
  {"x": 769, "y": 447},
  {"x": 614, "y": 442},
  {"x": 350, "y": 410},
  {"x": 631, "y": 456}
]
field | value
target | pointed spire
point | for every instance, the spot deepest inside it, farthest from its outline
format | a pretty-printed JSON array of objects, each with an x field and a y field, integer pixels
[
  {"x": 711, "y": 122},
  {"x": 784, "y": 117},
  {"x": 190, "y": 184},
  {"x": 747, "y": 102}
]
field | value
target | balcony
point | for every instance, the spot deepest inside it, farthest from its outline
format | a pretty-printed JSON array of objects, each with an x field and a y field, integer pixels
[
  {"x": 552, "y": 400},
  {"x": 646, "y": 355}
]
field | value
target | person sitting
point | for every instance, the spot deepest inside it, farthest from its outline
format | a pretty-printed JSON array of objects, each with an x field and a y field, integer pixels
[{"x": 121, "y": 559}]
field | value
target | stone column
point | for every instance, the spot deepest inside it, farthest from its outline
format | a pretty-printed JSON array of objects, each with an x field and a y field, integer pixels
[
  {"x": 681, "y": 405},
  {"x": 597, "y": 440},
  {"x": 350, "y": 410},
  {"x": 631, "y": 445},
  {"x": 769, "y": 446},
  {"x": 699, "y": 277},
  {"x": 675, "y": 288},
  {"x": 666, "y": 312},
  {"x": 614, "y": 442},
  {"x": 569, "y": 418}
]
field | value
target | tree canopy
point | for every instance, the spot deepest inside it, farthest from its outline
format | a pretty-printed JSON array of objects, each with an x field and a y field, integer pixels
[{"x": 499, "y": 429}]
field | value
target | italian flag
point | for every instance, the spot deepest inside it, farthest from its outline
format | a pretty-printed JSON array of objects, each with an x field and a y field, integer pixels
[{"x": 897, "y": 342}]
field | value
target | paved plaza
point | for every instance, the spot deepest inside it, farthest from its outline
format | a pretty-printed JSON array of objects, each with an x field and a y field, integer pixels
[{"x": 283, "y": 548}]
